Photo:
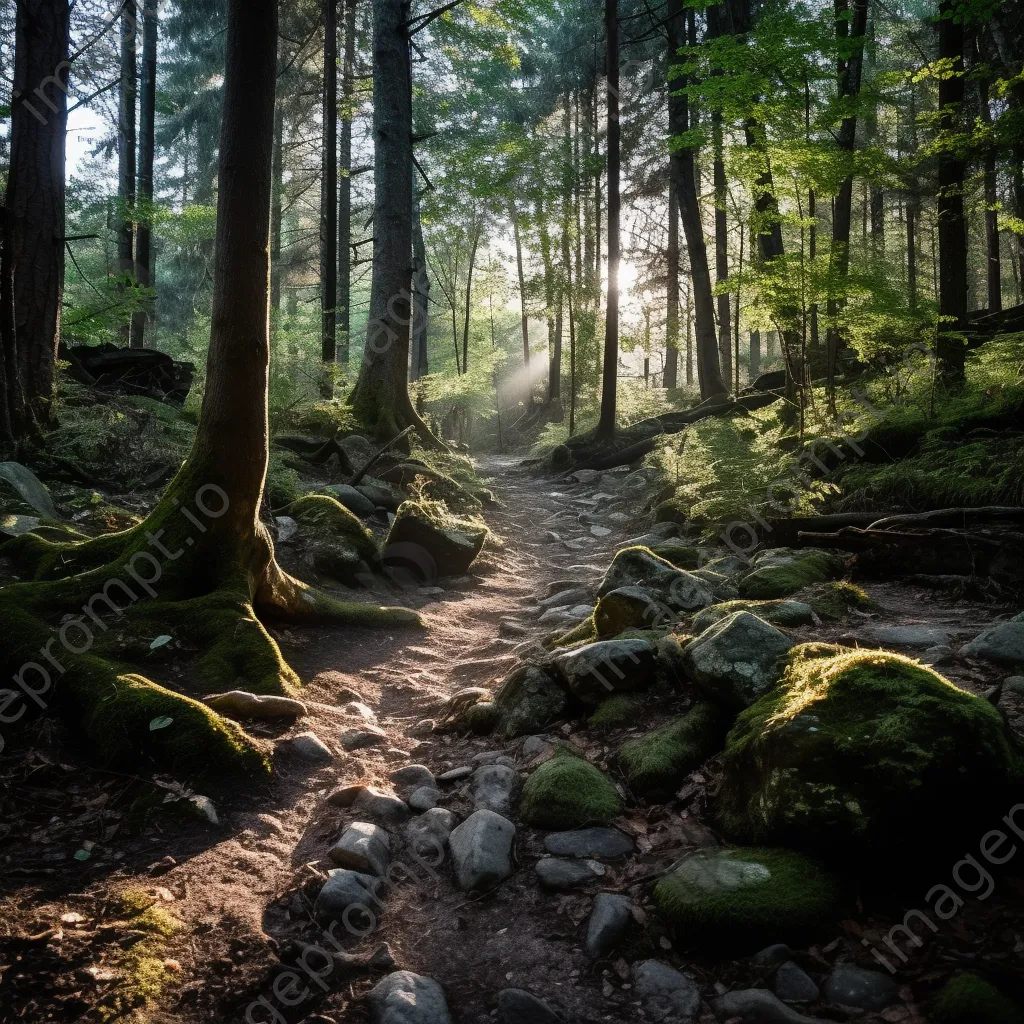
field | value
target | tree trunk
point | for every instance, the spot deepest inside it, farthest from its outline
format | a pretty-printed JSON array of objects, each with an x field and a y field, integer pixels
[
  {"x": 420, "y": 297},
  {"x": 609, "y": 383},
  {"x": 144, "y": 259},
  {"x": 474, "y": 242},
  {"x": 277, "y": 209},
  {"x": 549, "y": 292},
  {"x": 344, "y": 318},
  {"x": 721, "y": 245},
  {"x": 755, "y": 354},
  {"x": 126, "y": 152},
  {"x": 951, "y": 224},
  {"x": 993, "y": 267},
  {"x": 682, "y": 168},
  {"x": 381, "y": 395},
  {"x": 912, "y": 208},
  {"x": 34, "y": 245},
  {"x": 524, "y": 318},
  {"x": 329, "y": 190},
  {"x": 671, "y": 378}
]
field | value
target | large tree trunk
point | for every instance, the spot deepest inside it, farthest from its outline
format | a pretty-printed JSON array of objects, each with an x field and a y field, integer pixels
[
  {"x": 993, "y": 263},
  {"x": 277, "y": 210},
  {"x": 524, "y": 317},
  {"x": 34, "y": 248},
  {"x": 420, "y": 298},
  {"x": 671, "y": 378},
  {"x": 682, "y": 167},
  {"x": 348, "y": 84},
  {"x": 329, "y": 189},
  {"x": 609, "y": 382},
  {"x": 126, "y": 111},
  {"x": 478, "y": 227},
  {"x": 951, "y": 223},
  {"x": 553, "y": 321},
  {"x": 144, "y": 259},
  {"x": 381, "y": 395}
]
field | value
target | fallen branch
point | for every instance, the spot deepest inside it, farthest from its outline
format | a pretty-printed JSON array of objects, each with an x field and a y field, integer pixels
[{"x": 374, "y": 458}]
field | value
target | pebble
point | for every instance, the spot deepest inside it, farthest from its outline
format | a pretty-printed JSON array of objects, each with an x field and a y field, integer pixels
[
  {"x": 344, "y": 889},
  {"x": 286, "y": 528},
  {"x": 380, "y": 806},
  {"x": 309, "y": 746},
  {"x": 493, "y": 786},
  {"x": 850, "y": 985},
  {"x": 357, "y": 739},
  {"x": 792, "y": 985},
  {"x": 600, "y": 531},
  {"x": 517, "y": 1006},
  {"x": 494, "y": 757},
  {"x": 482, "y": 850},
  {"x": 535, "y": 746},
  {"x": 589, "y": 842},
  {"x": 557, "y": 873},
  {"x": 609, "y": 919},
  {"x": 412, "y": 776},
  {"x": 424, "y": 727},
  {"x": 772, "y": 956},
  {"x": 424, "y": 798},
  {"x": 363, "y": 847},
  {"x": 345, "y": 796},
  {"x": 407, "y": 998},
  {"x": 665, "y": 992},
  {"x": 455, "y": 774},
  {"x": 358, "y": 709}
]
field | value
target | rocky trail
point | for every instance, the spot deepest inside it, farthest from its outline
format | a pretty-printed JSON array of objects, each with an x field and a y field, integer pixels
[{"x": 449, "y": 906}]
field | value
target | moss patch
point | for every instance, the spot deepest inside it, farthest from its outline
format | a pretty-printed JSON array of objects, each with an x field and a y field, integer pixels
[
  {"x": 656, "y": 764},
  {"x": 837, "y": 599},
  {"x": 527, "y": 701},
  {"x": 778, "y": 613},
  {"x": 567, "y": 792},
  {"x": 326, "y": 519},
  {"x": 672, "y": 511},
  {"x": 616, "y": 712},
  {"x": 968, "y": 999},
  {"x": 774, "y": 581},
  {"x": 583, "y": 633},
  {"x": 742, "y": 899},
  {"x": 859, "y": 751},
  {"x": 679, "y": 553}
]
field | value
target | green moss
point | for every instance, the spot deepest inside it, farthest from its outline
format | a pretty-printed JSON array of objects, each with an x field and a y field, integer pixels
[
  {"x": 616, "y": 712},
  {"x": 626, "y": 608},
  {"x": 528, "y": 700},
  {"x": 860, "y": 751},
  {"x": 480, "y": 718},
  {"x": 969, "y": 999},
  {"x": 778, "y": 613},
  {"x": 283, "y": 485},
  {"x": 835, "y": 600},
  {"x": 656, "y": 764},
  {"x": 679, "y": 553},
  {"x": 583, "y": 633},
  {"x": 326, "y": 517},
  {"x": 567, "y": 792},
  {"x": 742, "y": 899},
  {"x": 672, "y": 511},
  {"x": 774, "y": 581}
]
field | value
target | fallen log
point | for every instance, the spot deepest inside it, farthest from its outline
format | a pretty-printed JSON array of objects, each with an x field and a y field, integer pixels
[
  {"x": 315, "y": 451},
  {"x": 962, "y": 517}
]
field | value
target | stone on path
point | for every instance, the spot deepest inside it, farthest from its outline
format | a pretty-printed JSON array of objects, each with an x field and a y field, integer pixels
[
  {"x": 377, "y": 805},
  {"x": 310, "y": 747},
  {"x": 344, "y": 889},
  {"x": 609, "y": 919},
  {"x": 407, "y": 998},
  {"x": 607, "y": 843},
  {"x": 850, "y": 985},
  {"x": 792, "y": 985},
  {"x": 482, "y": 850},
  {"x": 423, "y": 799},
  {"x": 366, "y": 736},
  {"x": 599, "y": 670},
  {"x": 242, "y": 704},
  {"x": 363, "y": 847},
  {"x": 493, "y": 786},
  {"x": 772, "y": 956},
  {"x": 428, "y": 833},
  {"x": 916, "y": 637},
  {"x": 758, "y": 1006},
  {"x": 455, "y": 774},
  {"x": 560, "y": 873},
  {"x": 666, "y": 994},
  {"x": 1002, "y": 643},
  {"x": 517, "y": 1006},
  {"x": 411, "y": 777}
]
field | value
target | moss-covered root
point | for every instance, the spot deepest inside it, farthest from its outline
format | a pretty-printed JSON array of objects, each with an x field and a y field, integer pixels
[
  {"x": 969, "y": 999},
  {"x": 737, "y": 901},
  {"x": 656, "y": 764},
  {"x": 567, "y": 792}
]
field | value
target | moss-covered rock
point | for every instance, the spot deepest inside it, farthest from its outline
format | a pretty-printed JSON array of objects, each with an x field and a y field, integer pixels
[
  {"x": 479, "y": 718},
  {"x": 429, "y": 541},
  {"x": 568, "y": 792},
  {"x": 837, "y": 599},
  {"x": 739, "y": 900},
  {"x": 616, "y": 712},
  {"x": 778, "y": 613},
  {"x": 627, "y": 608},
  {"x": 656, "y": 764},
  {"x": 676, "y": 589},
  {"x": 969, "y": 999},
  {"x": 528, "y": 700},
  {"x": 596, "y": 671},
  {"x": 583, "y": 633},
  {"x": 673, "y": 510},
  {"x": 722, "y": 587},
  {"x": 336, "y": 542},
  {"x": 785, "y": 575},
  {"x": 678, "y": 552},
  {"x": 857, "y": 751}
]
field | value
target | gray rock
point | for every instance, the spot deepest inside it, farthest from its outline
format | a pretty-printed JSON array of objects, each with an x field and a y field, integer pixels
[
  {"x": 423, "y": 799},
  {"x": 854, "y": 986},
  {"x": 772, "y": 956},
  {"x": 482, "y": 850},
  {"x": 554, "y": 615},
  {"x": 609, "y": 919},
  {"x": 492, "y": 757},
  {"x": 455, "y": 774},
  {"x": 599, "y": 670},
  {"x": 666, "y": 994},
  {"x": 428, "y": 833},
  {"x": 493, "y": 786},
  {"x": 792, "y": 985},
  {"x": 424, "y": 727},
  {"x": 677, "y": 589},
  {"x": 758, "y": 1006},
  {"x": 528, "y": 699},
  {"x": 411, "y": 777},
  {"x": 309, "y": 746},
  {"x": 407, "y": 998},
  {"x": 721, "y": 586},
  {"x": 535, "y": 746},
  {"x": 355, "y": 501},
  {"x": 366, "y": 736},
  {"x": 363, "y": 847},
  {"x": 738, "y": 659},
  {"x": 727, "y": 565},
  {"x": 557, "y": 873},
  {"x": 344, "y": 889},
  {"x": 377, "y": 805},
  {"x": 358, "y": 709},
  {"x": 1002, "y": 643},
  {"x": 517, "y": 1006},
  {"x": 916, "y": 637},
  {"x": 938, "y": 655},
  {"x": 286, "y": 528},
  {"x": 1015, "y": 684},
  {"x": 565, "y": 598},
  {"x": 606, "y": 843}
]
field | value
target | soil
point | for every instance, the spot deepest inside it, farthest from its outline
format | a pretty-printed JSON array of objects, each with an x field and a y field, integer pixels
[{"x": 243, "y": 889}]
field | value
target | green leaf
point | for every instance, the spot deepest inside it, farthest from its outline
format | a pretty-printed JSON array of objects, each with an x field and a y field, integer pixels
[
  {"x": 160, "y": 641},
  {"x": 82, "y": 855},
  {"x": 160, "y": 723}
]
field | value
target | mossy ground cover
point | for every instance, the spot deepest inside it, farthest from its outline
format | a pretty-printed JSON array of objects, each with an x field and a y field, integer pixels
[
  {"x": 837, "y": 599},
  {"x": 967, "y": 998},
  {"x": 861, "y": 752},
  {"x": 568, "y": 792},
  {"x": 616, "y": 712},
  {"x": 775, "y": 581},
  {"x": 737, "y": 901},
  {"x": 777, "y": 612}
]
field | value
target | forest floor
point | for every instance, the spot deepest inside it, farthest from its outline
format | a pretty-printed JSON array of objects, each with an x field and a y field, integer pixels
[{"x": 238, "y": 895}]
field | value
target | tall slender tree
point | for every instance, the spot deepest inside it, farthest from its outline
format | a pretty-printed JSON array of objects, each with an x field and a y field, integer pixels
[
  {"x": 344, "y": 318},
  {"x": 329, "y": 188},
  {"x": 126, "y": 142}
]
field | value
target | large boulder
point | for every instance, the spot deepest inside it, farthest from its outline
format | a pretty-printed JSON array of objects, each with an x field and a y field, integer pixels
[
  {"x": 1002, "y": 643},
  {"x": 675, "y": 588},
  {"x": 738, "y": 659},
  {"x": 779, "y": 572},
  {"x": 596, "y": 671},
  {"x": 355, "y": 501},
  {"x": 737, "y": 900},
  {"x": 407, "y": 998},
  {"x": 568, "y": 792},
  {"x": 629, "y": 608},
  {"x": 860, "y": 751},
  {"x": 482, "y": 850},
  {"x": 528, "y": 700},
  {"x": 778, "y": 613},
  {"x": 335, "y": 542},
  {"x": 430, "y": 543}
]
